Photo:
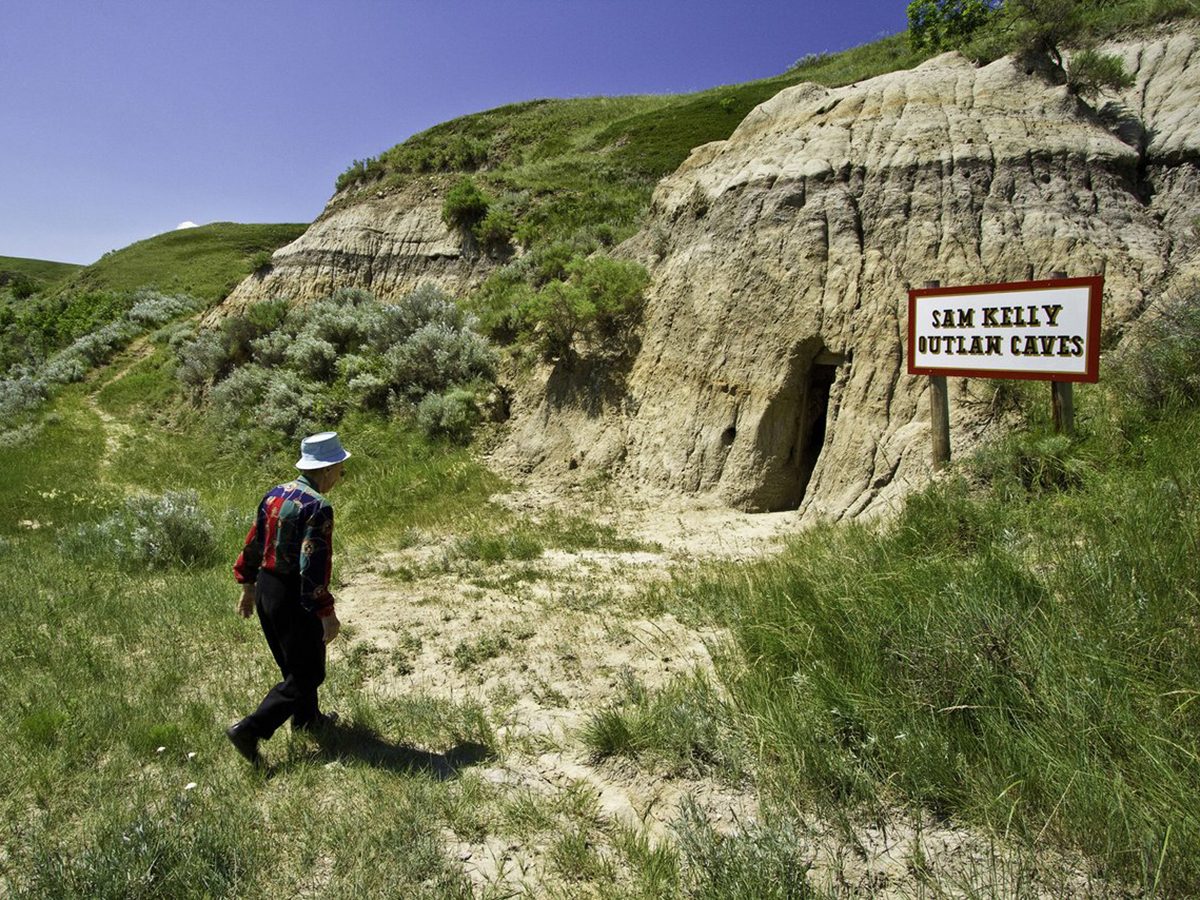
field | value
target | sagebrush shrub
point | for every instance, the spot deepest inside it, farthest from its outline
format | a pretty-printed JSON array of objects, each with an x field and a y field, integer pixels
[
  {"x": 368, "y": 390},
  {"x": 200, "y": 360},
  {"x": 277, "y": 401},
  {"x": 65, "y": 369},
  {"x": 151, "y": 531},
  {"x": 303, "y": 365},
  {"x": 271, "y": 349},
  {"x": 312, "y": 356},
  {"x": 427, "y": 305},
  {"x": 151, "y": 308},
  {"x": 451, "y": 415},
  {"x": 289, "y": 406},
  {"x": 436, "y": 356},
  {"x": 233, "y": 400},
  {"x": 20, "y": 394}
]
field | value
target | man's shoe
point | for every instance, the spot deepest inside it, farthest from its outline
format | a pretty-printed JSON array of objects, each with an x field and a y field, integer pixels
[
  {"x": 244, "y": 743},
  {"x": 317, "y": 725}
]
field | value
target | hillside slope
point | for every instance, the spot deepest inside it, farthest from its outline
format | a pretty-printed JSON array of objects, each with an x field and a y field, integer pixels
[
  {"x": 207, "y": 261},
  {"x": 771, "y": 371},
  {"x": 40, "y": 272},
  {"x": 578, "y": 172}
]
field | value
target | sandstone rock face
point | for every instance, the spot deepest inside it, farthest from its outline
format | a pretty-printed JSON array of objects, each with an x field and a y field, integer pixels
[
  {"x": 771, "y": 373},
  {"x": 388, "y": 243}
]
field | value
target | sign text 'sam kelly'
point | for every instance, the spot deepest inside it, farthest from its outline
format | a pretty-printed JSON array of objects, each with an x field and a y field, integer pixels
[{"x": 1047, "y": 330}]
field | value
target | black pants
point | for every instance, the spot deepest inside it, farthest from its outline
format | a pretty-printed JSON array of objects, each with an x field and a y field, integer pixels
[{"x": 296, "y": 639}]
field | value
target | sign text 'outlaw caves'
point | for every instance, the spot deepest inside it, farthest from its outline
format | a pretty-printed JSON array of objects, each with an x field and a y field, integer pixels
[{"x": 1048, "y": 330}]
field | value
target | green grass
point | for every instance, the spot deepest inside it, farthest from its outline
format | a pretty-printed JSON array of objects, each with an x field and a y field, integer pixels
[
  {"x": 111, "y": 663},
  {"x": 44, "y": 272},
  {"x": 682, "y": 728},
  {"x": 206, "y": 262},
  {"x": 1024, "y": 662}
]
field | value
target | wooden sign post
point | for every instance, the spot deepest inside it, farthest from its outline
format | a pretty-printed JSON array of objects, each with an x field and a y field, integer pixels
[
  {"x": 1062, "y": 396},
  {"x": 1044, "y": 330},
  {"x": 939, "y": 412}
]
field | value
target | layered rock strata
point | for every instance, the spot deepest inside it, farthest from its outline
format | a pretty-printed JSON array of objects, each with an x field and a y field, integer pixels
[{"x": 386, "y": 242}]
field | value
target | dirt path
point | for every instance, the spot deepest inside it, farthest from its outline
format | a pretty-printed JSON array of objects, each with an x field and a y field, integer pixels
[
  {"x": 116, "y": 432},
  {"x": 543, "y": 645}
]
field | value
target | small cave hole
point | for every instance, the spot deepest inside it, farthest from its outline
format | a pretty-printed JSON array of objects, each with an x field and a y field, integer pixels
[
  {"x": 814, "y": 413},
  {"x": 728, "y": 435}
]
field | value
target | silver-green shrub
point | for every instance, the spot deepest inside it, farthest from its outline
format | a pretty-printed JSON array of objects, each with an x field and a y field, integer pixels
[
  {"x": 151, "y": 308},
  {"x": 289, "y": 406},
  {"x": 436, "y": 356},
  {"x": 150, "y": 531},
  {"x": 312, "y": 356},
  {"x": 368, "y": 390},
  {"x": 271, "y": 349},
  {"x": 304, "y": 366},
  {"x": 20, "y": 394},
  {"x": 451, "y": 415}
]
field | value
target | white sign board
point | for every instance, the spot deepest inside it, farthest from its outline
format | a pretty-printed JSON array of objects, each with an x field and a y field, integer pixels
[{"x": 1047, "y": 330}]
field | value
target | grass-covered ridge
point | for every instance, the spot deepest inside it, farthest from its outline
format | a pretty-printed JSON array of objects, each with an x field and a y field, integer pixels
[
  {"x": 33, "y": 274},
  {"x": 39, "y": 316},
  {"x": 206, "y": 262},
  {"x": 563, "y": 166}
]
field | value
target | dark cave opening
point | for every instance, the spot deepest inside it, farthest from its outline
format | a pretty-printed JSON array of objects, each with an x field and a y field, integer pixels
[{"x": 812, "y": 417}]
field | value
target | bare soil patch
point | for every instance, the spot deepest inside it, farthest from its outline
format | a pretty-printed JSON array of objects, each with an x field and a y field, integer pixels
[{"x": 543, "y": 644}]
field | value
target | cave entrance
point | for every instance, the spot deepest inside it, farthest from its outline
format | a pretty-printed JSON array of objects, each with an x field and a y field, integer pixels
[{"x": 812, "y": 416}]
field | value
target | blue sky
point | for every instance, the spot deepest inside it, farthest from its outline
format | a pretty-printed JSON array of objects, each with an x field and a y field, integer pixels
[{"x": 123, "y": 118}]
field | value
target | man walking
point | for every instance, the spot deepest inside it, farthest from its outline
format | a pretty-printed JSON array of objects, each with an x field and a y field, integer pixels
[{"x": 284, "y": 572}]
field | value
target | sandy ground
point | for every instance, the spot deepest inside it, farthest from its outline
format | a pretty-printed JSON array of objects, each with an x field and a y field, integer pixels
[{"x": 567, "y": 631}]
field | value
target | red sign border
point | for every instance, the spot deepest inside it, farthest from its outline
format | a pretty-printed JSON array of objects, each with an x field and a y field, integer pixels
[{"x": 1095, "y": 285}]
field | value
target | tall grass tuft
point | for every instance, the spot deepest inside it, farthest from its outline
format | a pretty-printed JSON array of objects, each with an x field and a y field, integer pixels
[{"x": 1022, "y": 659}]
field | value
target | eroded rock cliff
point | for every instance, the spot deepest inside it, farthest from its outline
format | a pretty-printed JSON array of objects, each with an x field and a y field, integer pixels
[
  {"x": 387, "y": 242},
  {"x": 771, "y": 371}
]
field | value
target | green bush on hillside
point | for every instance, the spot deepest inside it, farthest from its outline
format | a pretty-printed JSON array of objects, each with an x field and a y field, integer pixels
[
  {"x": 452, "y": 415},
  {"x": 600, "y": 299},
  {"x": 465, "y": 205},
  {"x": 495, "y": 231},
  {"x": 941, "y": 24},
  {"x": 1089, "y": 72},
  {"x": 359, "y": 171}
]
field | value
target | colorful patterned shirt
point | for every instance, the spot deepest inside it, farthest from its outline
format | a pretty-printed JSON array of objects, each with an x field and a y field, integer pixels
[{"x": 292, "y": 535}]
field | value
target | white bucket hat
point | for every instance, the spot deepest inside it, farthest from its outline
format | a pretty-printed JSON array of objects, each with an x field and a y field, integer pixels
[{"x": 320, "y": 450}]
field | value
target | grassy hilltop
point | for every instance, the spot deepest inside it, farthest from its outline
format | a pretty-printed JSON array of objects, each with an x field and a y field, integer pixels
[
  {"x": 41, "y": 313},
  {"x": 207, "y": 261},
  {"x": 33, "y": 274},
  {"x": 1013, "y": 658}
]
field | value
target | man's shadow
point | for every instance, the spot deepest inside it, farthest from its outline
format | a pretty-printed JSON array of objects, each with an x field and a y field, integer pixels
[{"x": 353, "y": 743}]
